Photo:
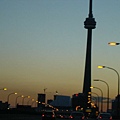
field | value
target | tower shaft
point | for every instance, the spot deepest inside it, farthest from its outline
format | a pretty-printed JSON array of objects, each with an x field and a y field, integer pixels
[
  {"x": 87, "y": 73},
  {"x": 89, "y": 24}
]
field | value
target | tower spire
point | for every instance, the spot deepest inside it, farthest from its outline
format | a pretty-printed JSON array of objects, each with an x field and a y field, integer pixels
[
  {"x": 90, "y": 9},
  {"x": 90, "y": 21}
]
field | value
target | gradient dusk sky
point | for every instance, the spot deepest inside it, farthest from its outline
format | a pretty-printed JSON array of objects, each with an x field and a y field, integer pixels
[{"x": 43, "y": 45}]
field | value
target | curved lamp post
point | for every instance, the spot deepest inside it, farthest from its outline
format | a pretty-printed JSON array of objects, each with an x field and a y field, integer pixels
[
  {"x": 101, "y": 97},
  {"x": 34, "y": 102},
  {"x": 29, "y": 101},
  {"x": 4, "y": 89},
  {"x": 24, "y": 98},
  {"x": 118, "y": 82},
  {"x": 9, "y": 96},
  {"x": 107, "y": 91},
  {"x": 113, "y": 43},
  {"x": 17, "y": 98},
  {"x": 96, "y": 101},
  {"x": 97, "y": 97}
]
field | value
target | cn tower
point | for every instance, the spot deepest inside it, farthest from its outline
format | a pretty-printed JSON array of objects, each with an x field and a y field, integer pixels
[{"x": 89, "y": 24}]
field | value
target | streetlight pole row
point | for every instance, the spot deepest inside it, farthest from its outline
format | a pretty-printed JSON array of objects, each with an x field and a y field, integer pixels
[
  {"x": 118, "y": 84},
  {"x": 107, "y": 91},
  {"x": 17, "y": 98},
  {"x": 24, "y": 98},
  {"x": 97, "y": 97},
  {"x": 101, "y": 97}
]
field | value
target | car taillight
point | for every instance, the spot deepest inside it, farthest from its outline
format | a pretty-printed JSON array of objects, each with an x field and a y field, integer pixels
[
  {"x": 110, "y": 118},
  {"x": 100, "y": 117},
  {"x": 83, "y": 117},
  {"x": 71, "y": 116}
]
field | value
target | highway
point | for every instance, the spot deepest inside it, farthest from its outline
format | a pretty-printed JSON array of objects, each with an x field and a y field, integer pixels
[
  {"x": 24, "y": 117},
  {"x": 27, "y": 117}
]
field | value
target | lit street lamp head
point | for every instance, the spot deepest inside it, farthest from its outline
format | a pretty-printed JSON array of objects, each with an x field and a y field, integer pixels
[
  {"x": 28, "y": 96},
  {"x": 91, "y": 87},
  {"x": 113, "y": 43},
  {"x": 4, "y": 89},
  {"x": 100, "y": 66},
  {"x": 96, "y": 80}
]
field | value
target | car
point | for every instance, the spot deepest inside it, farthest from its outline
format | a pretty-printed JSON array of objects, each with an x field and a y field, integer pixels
[
  {"x": 77, "y": 115},
  {"x": 104, "y": 116},
  {"x": 48, "y": 115},
  {"x": 66, "y": 116}
]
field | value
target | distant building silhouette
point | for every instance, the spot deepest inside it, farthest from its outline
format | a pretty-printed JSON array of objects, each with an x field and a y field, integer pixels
[
  {"x": 115, "y": 106},
  {"x": 49, "y": 101},
  {"x": 4, "y": 106},
  {"x": 62, "y": 102},
  {"x": 41, "y": 100}
]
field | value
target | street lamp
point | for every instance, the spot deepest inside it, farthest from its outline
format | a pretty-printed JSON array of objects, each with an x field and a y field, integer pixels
[
  {"x": 118, "y": 81},
  {"x": 29, "y": 101},
  {"x": 101, "y": 97},
  {"x": 24, "y": 98},
  {"x": 3, "y": 89},
  {"x": 107, "y": 91},
  {"x": 96, "y": 101},
  {"x": 9, "y": 96},
  {"x": 113, "y": 43},
  {"x": 97, "y": 98},
  {"x": 17, "y": 98},
  {"x": 34, "y": 102}
]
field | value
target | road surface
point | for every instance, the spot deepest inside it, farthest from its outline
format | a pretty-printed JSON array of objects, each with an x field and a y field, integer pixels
[{"x": 27, "y": 117}]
